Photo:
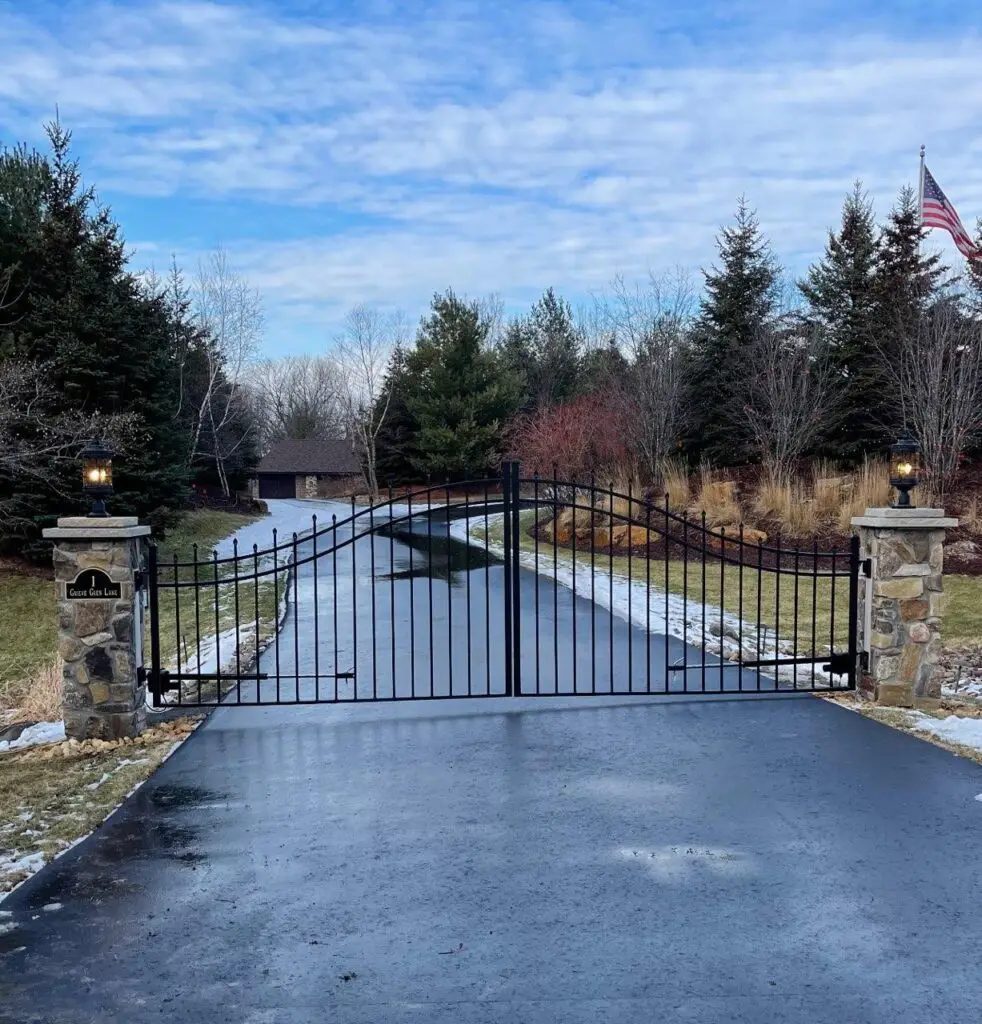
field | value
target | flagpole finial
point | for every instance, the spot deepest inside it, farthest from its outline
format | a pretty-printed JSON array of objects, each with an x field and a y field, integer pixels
[{"x": 922, "y": 150}]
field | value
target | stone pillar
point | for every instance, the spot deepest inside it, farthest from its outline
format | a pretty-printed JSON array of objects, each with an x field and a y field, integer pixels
[
  {"x": 100, "y": 620},
  {"x": 900, "y": 615}
]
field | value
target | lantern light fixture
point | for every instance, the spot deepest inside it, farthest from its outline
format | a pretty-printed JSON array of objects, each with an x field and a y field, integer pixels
[
  {"x": 905, "y": 469},
  {"x": 97, "y": 476}
]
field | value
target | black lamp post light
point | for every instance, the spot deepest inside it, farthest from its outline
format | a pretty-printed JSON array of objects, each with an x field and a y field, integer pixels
[
  {"x": 905, "y": 469},
  {"x": 97, "y": 476}
]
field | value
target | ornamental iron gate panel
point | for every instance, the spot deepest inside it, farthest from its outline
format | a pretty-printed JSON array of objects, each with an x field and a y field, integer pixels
[{"x": 498, "y": 588}]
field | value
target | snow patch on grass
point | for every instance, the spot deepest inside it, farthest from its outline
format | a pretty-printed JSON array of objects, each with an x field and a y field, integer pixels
[
  {"x": 962, "y": 688},
  {"x": 43, "y": 732},
  {"x": 648, "y": 608},
  {"x": 965, "y": 731}
]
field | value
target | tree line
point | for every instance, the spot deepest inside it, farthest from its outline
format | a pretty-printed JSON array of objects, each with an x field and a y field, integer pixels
[
  {"x": 877, "y": 339},
  {"x": 743, "y": 366}
]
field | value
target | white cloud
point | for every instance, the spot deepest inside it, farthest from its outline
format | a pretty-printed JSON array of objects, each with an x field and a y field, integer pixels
[{"x": 509, "y": 154}]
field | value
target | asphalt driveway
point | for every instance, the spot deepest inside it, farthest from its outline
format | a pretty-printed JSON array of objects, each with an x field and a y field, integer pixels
[{"x": 775, "y": 859}]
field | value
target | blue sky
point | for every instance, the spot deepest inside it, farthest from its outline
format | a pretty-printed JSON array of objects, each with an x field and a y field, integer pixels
[{"x": 377, "y": 152}]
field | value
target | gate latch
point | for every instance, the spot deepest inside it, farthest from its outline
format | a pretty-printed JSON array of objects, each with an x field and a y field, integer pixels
[{"x": 838, "y": 664}]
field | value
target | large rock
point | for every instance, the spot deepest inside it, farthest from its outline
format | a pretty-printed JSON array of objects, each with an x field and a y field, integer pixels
[
  {"x": 728, "y": 537},
  {"x": 630, "y": 536},
  {"x": 962, "y": 549},
  {"x": 569, "y": 523}
]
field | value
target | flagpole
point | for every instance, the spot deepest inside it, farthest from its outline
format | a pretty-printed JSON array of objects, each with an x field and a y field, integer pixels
[{"x": 920, "y": 192}]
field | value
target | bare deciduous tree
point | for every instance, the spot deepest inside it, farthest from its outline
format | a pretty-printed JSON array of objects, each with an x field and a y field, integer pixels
[
  {"x": 229, "y": 311},
  {"x": 937, "y": 371},
  {"x": 363, "y": 348},
  {"x": 652, "y": 322},
  {"x": 790, "y": 398},
  {"x": 38, "y": 444},
  {"x": 298, "y": 397},
  {"x": 492, "y": 311}
]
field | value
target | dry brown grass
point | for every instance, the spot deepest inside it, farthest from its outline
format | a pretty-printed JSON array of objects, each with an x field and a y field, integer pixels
[
  {"x": 829, "y": 488},
  {"x": 717, "y": 499},
  {"x": 971, "y": 516},
  {"x": 791, "y": 504},
  {"x": 675, "y": 483},
  {"x": 870, "y": 489},
  {"x": 802, "y": 520},
  {"x": 51, "y": 795},
  {"x": 773, "y": 498},
  {"x": 40, "y": 700}
]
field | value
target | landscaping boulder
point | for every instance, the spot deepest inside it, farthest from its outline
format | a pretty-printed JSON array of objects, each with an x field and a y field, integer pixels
[{"x": 630, "y": 536}]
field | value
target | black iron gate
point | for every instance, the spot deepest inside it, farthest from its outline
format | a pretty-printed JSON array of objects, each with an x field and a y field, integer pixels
[{"x": 498, "y": 588}]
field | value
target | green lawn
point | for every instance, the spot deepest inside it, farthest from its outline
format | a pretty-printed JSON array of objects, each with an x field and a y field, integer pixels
[
  {"x": 29, "y": 623},
  {"x": 29, "y": 615},
  {"x": 962, "y": 623}
]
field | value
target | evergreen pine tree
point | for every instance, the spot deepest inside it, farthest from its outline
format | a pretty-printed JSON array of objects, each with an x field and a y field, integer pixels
[
  {"x": 555, "y": 349},
  {"x": 107, "y": 343},
  {"x": 906, "y": 280},
  {"x": 740, "y": 301},
  {"x": 973, "y": 275},
  {"x": 906, "y": 283},
  {"x": 517, "y": 356},
  {"x": 463, "y": 394},
  {"x": 841, "y": 297},
  {"x": 543, "y": 351}
]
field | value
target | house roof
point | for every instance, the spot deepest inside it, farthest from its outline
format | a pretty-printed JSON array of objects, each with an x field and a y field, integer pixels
[{"x": 293, "y": 456}]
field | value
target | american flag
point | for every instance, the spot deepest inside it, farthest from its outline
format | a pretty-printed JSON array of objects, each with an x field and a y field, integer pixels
[{"x": 937, "y": 212}]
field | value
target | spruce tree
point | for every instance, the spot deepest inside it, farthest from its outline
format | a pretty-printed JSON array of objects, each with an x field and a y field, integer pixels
[
  {"x": 518, "y": 357},
  {"x": 543, "y": 351},
  {"x": 556, "y": 350},
  {"x": 906, "y": 284},
  {"x": 739, "y": 302},
  {"x": 463, "y": 395},
  {"x": 841, "y": 296}
]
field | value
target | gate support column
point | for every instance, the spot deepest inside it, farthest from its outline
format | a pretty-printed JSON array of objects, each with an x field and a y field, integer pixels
[
  {"x": 900, "y": 615},
  {"x": 100, "y": 619}
]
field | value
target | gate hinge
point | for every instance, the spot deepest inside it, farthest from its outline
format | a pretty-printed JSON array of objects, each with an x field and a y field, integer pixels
[
  {"x": 838, "y": 664},
  {"x": 867, "y": 566},
  {"x": 139, "y": 579}
]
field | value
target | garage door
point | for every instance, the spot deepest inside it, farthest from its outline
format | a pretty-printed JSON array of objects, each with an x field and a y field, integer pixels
[{"x": 277, "y": 485}]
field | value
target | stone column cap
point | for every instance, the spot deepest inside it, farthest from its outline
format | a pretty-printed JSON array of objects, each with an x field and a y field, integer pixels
[
  {"x": 905, "y": 519},
  {"x": 91, "y": 528}
]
